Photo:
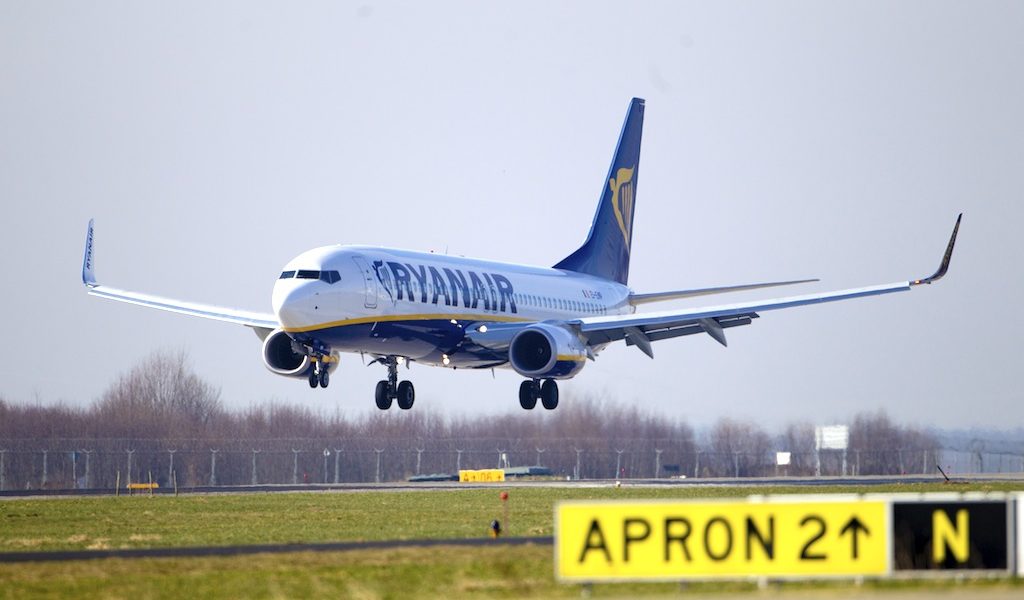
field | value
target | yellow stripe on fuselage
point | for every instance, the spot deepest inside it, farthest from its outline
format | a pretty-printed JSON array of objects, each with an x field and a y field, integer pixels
[{"x": 392, "y": 318}]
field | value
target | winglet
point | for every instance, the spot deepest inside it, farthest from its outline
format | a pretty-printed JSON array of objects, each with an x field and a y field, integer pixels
[
  {"x": 944, "y": 266},
  {"x": 88, "y": 274}
]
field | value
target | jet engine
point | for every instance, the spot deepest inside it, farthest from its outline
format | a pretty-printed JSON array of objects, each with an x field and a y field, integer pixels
[
  {"x": 283, "y": 357},
  {"x": 545, "y": 351}
]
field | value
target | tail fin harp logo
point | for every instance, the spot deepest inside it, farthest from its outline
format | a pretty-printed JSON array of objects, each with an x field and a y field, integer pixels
[{"x": 622, "y": 200}]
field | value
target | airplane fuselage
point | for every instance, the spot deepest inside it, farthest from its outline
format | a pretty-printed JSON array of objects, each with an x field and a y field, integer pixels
[{"x": 419, "y": 305}]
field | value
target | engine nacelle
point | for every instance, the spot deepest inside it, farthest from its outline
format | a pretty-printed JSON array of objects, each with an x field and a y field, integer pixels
[
  {"x": 545, "y": 351},
  {"x": 282, "y": 357}
]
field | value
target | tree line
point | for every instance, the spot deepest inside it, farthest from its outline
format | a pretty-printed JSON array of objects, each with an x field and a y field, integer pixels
[{"x": 161, "y": 417}]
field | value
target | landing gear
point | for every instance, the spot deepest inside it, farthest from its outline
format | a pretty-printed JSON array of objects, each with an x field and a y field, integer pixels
[
  {"x": 528, "y": 392},
  {"x": 532, "y": 389},
  {"x": 382, "y": 396},
  {"x": 549, "y": 394},
  {"x": 320, "y": 374},
  {"x": 406, "y": 395},
  {"x": 390, "y": 389}
]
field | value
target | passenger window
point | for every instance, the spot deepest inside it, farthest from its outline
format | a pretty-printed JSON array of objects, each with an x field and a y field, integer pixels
[{"x": 287, "y": 275}]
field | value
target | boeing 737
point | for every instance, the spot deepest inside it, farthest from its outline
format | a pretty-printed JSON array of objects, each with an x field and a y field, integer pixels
[{"x": 544, "y": 323}]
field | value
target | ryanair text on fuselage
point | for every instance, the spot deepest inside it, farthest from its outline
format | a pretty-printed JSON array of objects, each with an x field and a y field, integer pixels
[{"x": 443, "y": 285}]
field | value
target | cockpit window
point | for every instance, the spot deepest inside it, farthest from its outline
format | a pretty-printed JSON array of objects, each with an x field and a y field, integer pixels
[{"x": 325, "y": 276}]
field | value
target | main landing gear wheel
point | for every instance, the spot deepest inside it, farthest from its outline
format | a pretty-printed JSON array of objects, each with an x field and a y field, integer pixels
[
  {"x": 382, "y": 396},
  {"x": 390, "y": 390},
  {"x": 549, "y": 394},
  {"x": 314, "y": 379},
  {"x": 325, "y": 377},
  {"x": 528, "y": 392},
  {"x": 406, "y": 395}
]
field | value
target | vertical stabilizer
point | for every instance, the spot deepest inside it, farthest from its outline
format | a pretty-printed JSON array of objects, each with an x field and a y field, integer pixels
[{"x": 606, "y": 251}]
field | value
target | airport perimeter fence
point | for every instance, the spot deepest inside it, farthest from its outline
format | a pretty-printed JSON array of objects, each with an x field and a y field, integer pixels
[{"x": 98, "y": 463}]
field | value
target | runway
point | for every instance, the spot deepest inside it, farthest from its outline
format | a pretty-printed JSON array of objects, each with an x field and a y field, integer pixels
[
  {"x": 203, "y": 551},
  {"x": 404, "y": 486}
]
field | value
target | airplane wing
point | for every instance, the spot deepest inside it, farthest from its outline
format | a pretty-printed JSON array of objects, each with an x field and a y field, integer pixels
[
  {"x": 262, "y": 322},
  {"x": 641, "y": 329},
  {"x": 636, "y": 299}
]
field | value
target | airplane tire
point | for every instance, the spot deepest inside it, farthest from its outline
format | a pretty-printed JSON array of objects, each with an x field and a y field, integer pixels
[
  {"x": 325, "y": 377},
  {"x": 549, "y": 394},
  {"x": 527, "y": 395},
  {"x": 382, "y": 396},
  {"x": 313, "y": 379},
  {"x": 406, "y": 395}
]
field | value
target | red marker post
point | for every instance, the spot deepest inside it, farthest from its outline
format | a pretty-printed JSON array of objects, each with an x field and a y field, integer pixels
[{"x": 504, "y": 510}]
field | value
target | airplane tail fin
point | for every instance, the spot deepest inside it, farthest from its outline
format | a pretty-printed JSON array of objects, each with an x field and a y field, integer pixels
[{"x": 606, "y": 252}]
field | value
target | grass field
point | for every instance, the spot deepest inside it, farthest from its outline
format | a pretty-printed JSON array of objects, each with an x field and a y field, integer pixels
[{"x": 214, "y": 520}]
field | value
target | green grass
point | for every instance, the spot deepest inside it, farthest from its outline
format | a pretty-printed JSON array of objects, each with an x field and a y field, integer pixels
[
  {"x": 213, "y": 520},
  {"x": 244, "y": 519}
]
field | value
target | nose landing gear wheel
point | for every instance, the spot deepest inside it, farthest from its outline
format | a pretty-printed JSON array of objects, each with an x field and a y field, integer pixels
[
  {"x": 528, "y": 394},
  {"x": 382, "y": 395},
  {"x": 406, "y": 395},
  {"x": 549, "y": 394}
]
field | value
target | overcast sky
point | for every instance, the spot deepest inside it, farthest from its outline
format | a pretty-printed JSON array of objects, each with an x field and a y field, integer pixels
[{"x": 213, "y": 142}]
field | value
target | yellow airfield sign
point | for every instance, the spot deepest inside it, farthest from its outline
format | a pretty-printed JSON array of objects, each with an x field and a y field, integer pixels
[{"x": 820, "y": 537}]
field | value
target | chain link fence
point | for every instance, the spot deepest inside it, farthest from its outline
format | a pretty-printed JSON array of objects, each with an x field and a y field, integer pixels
[{"x": 98, "y": 464}]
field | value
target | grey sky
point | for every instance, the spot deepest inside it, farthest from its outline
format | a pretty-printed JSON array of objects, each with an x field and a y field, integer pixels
[{"x": 213, "y": 142}]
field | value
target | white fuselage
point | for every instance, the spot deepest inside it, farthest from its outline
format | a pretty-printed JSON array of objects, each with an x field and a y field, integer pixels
[{"x": 418, "y": 305}]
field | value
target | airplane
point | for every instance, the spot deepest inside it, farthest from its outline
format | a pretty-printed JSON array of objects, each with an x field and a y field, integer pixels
[{"x": 545, "y": 323}]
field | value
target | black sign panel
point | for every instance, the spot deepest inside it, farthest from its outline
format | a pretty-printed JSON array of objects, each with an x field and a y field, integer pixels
[{"x": 950, "y": 535}]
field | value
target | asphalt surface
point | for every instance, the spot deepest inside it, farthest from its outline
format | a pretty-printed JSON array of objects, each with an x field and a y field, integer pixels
[
  {"x": 810, "y": 482},
  {"x": 20, "y": 557}
]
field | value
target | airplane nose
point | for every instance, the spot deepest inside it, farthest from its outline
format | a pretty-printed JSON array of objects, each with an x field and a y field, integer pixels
[{"x": 291, "y": 303}]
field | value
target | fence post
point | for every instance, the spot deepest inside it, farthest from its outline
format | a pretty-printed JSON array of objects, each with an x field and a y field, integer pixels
[
  {"x": 419, "y": 456},
  {"x": 539, "y": 452},
  {"x": 88, "y": 478},
  {"x": 337, "y": 472},
  {"x": 129, "y": 474},
  {"x": 74, "y": 469},
  {"x": 501, "y": 457},
  {"x": 213, "y": 467},
  {"x": 327, "y": 453},
  {"x": 458, "y": 460},
  {"x": 3, "y": 479},
  {"x": 618, "y": 463},
  {"x": 254, "y": 453},
  {"x": 657, "y": 462},
  {"x": 45, "y": 474},
  {"x": 576, "y": 472},
  {"x": 696, "y": 465},
  {"x": 736, "y": 464},
  {"x": 170, "y": 464},
  {"x": 295, "y": 467},
  {"x": 379, "y": 451}
]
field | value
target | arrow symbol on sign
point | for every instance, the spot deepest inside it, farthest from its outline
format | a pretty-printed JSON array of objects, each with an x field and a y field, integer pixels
[{"x": 855, "y": 527}]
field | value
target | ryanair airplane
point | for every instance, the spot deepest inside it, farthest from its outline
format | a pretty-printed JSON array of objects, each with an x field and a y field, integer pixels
[{"x": 544, "y": 323}]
